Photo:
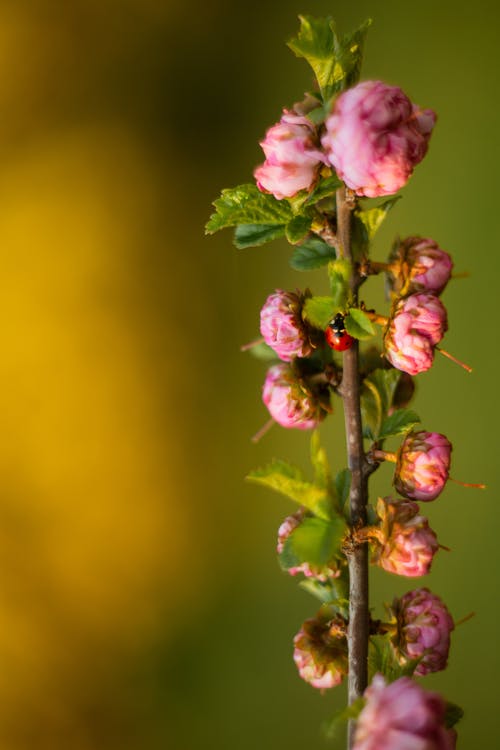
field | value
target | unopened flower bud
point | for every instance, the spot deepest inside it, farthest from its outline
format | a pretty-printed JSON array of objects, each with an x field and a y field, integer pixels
[
  {"x": 404, "y": 543},
  {"x": 423, "y": 630},
  {"x": 320, "y": 573},
  {"x": 291, "y": 401},
  {"x": 375, "y": 137},
  {"x": 423, "y": 465},
  {"x": 293, "y": 158},
  {"x": 282, "y": 326},
  {"x": 420, "y": 266},
  {"x": 402, "y": 716},
  {"x": 417, "y": 324},
  {"x": 320, "y": 652}
]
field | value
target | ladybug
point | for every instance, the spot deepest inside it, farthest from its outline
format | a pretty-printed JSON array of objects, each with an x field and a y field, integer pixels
[{"x": 337, "y": 336}]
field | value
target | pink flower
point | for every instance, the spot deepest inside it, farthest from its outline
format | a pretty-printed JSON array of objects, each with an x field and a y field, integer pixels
[
  {"x": 291, "y": 402},
  {"x": 322, "y": 573},
  {"x": 424, "y": 627},
  {"x": 417, "y": 324},
  {"x": 375, "y": 137},
  {"x": 423, "y": 465},
  {"x": 320, "y": 652},
  {"x": 404, "y": 543},
  {"x": 402, "y": 716},
  {"x": 420, "y": 266},
  {"x": 282, "y": 327},
  {"x": 292, "y": 157}
]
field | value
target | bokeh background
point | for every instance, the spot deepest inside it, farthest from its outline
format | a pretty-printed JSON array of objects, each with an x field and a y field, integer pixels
[{"x": 141, "y": 604}]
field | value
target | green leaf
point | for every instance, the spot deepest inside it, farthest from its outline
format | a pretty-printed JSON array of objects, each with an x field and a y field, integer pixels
[
  {"x": 316, "y": 541},
  {"x": 383, "y": 658},
  {"x": 252, "y": 235},
  {"x": 324, "y": 189},
  {"x": 319, "y": 589},
  {"x": 349, "y": 53},
  {"x": 262, "y": 351},
  {"x": 453, "y": 714},
  {"x": 341, "y": 717},
  {"x": 358, "y": 324},
  {"x": 366, "y": 224},
  {"x": 318, "y": 311},
  {"x": 339, "y": 272},
  {"x": 311, "y": 254},
  {"x": 246, "y": 204},
  {"x": 289, "y": 480},
  {"x": 399, "y": 422},
  {"x": 315, "y": 43},
  {"x": 319, "y": 461},
  {"x": 376, "y": 399},
  {"x": 343, "y": 486},
  {"x": 297, "y": 228}
]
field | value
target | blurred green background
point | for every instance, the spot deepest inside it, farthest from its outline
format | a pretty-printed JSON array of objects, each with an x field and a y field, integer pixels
[{"x": 142, "y": 606}]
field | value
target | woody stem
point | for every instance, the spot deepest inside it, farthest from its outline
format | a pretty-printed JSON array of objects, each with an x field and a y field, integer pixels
[{"x": 358, "y": 629}]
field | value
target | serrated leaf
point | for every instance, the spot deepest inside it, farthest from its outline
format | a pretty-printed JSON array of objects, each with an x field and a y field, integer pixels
[
  {"x": 383, "y": 659},
  {"x": 289, "y": 481},
  {"x": 315, "y": 43},
  {"x": 366, "y": 224},
  {"x": 339, "y": 272},
  {"x": 318, "y": 311},
  {"x": 325, "y": 188},
  {"x": 246, "y": 204},
  {"x": 339, "y": 720},
  {"x": 349, "y": 51},
  {"x": 358, "y": 324},
  {"x": 311, "y": 254},
  {"x": 297, "y": 228},
  {"x": 322, "y": 590},
  {"x": 262, "y": 351},
  {"x": 399, "y": 422},
  {"x": 453, "y": 714},
  {"x": 253, "y": 235},
  {"x": 377, "y": 394},
  {"x": 315, "y": 541}
]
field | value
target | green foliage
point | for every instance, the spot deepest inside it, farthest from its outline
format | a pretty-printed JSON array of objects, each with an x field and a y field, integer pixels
[
  {"x": 297, "y": 228},
  {"x": 339, "y": 272},
  {"x": 338, "y": 721},
  {"x": 335, "y": 60},
  {"x": 453, "y": 714},
  {"x": 311, "y": 254},
  {"x": 358, "y": 324},
  {"x": 252, "y": 235},
  {"x": 246, "y": 204},
  {"x": 376, "y": 399},
  {"x": 289, "y": 480},
  {"x": 262, "y": 351},
  {"x": 319, "y": 462},
  {"x": 324, "y": 189},
  {"x": 342, "y": 487},
  {"x": 383, "y": 658},
  {"x": 366, "y": 223},
  {"x": 318, "y": 311},
  {"x": 316, "y": 541},
  {"x": 399, "y": 422}
]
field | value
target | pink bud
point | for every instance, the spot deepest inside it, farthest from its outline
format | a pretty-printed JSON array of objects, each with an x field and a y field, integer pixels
[
  {"x": 424, "y": 627},
  {"x": 282, "y": 327},
  {"x": 292, "y": 157},
  {"x": 320, "y": 652},
  {"x": 420, "y": 266},
  {"x": 320, "y": 573},
  {"x": 423, "y": 465},
  {"x": 417, "y": 324},
  {"x": 404, "y": 543},
  {"x": 291, "y": 402},
  {"x": 402, "y": 716},
  {"x": 375, "y": 137}
]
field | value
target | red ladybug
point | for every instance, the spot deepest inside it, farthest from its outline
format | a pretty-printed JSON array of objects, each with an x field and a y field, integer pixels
[{"x": 337, "y": 336}]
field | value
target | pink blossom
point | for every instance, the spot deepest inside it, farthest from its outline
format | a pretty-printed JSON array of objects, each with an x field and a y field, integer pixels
[
  {"x": 282, "y": 327},
  {"x": 424, "y": 627},
  {"x": 320, "y": 652},
  {"x": 417, "y": 324},
  {"x": 402, "y": 716},
  {"x": 423, "y": 465},
  {"x": 404, "y": 543},
  {"x": 419, "y": 265},
  {"x": 290, "y": 401},
  {"x": 375, "y": 137},
  {"x": 320, "y": 573},
  {"x": 292, "y": 157}
]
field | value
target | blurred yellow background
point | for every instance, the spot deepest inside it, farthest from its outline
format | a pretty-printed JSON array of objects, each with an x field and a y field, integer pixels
[{"x": 141, "y": 603}]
